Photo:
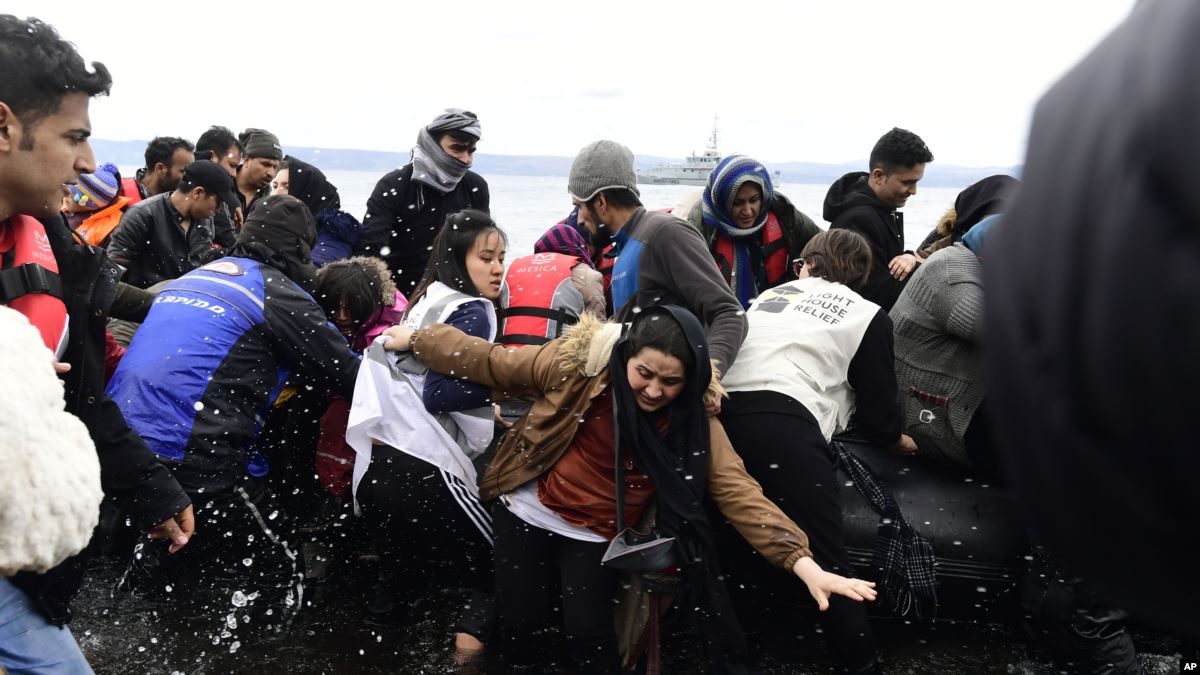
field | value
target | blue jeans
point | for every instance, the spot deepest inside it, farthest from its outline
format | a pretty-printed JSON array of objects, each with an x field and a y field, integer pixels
[{"x": 30, "y": 645}]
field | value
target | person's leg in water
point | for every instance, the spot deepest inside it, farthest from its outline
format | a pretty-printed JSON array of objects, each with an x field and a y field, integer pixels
[
  {"x": 29, "y": 644},
  {"x": 588, "y": 593},
  {"x": 799, "y": 477},
  {"x": 243, "y": 576},
  {"x": 525, "y": 570},
  {"x": 428, "y": 523},
  {"x": 1066, "y": 615}
]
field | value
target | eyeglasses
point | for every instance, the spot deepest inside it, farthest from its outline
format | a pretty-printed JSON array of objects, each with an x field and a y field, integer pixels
[{"x": 797, "y": 265}]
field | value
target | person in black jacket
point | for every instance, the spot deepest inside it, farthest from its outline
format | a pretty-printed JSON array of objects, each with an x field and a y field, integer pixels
[
  {"x": 1091, "y": 320},
  {"x": 168, "y": 235},
  {"x": 410, "y": 205},
  {"x": 867, "y": 203},
  {"x": 44, "y": 127},
  {"x": 198, "y": 397}
]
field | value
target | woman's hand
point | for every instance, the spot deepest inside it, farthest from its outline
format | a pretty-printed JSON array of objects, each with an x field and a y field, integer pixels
[
  {"x": 400, "y": 336},
  {"x": 822, "y": 584}
]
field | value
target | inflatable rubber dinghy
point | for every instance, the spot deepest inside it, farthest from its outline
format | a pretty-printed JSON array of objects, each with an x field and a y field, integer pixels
[{"x": 972, "y": 523}]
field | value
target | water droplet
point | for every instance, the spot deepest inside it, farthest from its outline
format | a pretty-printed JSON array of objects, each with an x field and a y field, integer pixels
[
  {"x": 198, "y": 406},
  {"x": 239, "y": 599}
]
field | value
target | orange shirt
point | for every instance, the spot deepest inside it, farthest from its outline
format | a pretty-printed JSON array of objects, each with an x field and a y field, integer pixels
[{"x": 580, "y": 487}]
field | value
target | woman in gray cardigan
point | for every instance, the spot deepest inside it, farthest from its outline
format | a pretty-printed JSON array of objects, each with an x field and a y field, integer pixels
[{"x": 938, "y": 324}]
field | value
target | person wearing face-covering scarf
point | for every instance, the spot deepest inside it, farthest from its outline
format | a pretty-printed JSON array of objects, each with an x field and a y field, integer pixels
[
  {"x": 196, "y": 394},
  {"x": 410, "y": 205}
]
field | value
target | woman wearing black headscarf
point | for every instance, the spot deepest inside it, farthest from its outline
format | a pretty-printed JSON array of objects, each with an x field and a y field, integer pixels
[
  {"x": 338, "y": 232},
  {"x": 554, "y": 475},
  {"x": 979, "y": 200}
]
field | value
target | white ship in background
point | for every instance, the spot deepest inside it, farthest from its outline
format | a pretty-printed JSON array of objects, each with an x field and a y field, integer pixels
[{"x": 693, "y": 171}]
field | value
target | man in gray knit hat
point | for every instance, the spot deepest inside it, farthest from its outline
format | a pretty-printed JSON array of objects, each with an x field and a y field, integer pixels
[
  {"x": 263, "y": 155},
  {"x": 660, "y": 259}
]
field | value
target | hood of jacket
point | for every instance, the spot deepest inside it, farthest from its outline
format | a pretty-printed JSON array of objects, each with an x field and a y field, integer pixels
[
  {"x": 849, "y": 191},
  {"x": 587, "y": 347}
]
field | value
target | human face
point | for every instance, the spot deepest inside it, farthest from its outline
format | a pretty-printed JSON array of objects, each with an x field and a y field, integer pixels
[
  {"x": 169, "y": 177},
  {"x": 37, "y": 164},
  {"x": 345, "y": 323},
  {"x": 601, "y": 235},
  {"x": 485, "y": 264},
  {"x": 259, "y": 171},
  {"x": 463, "y": 151},
  {"x": 230, "y": 160},
  {"x": 894, "y": 189},
  {"x": 747, "y": 204},
  {"x": 655, "y": 377},
  {"x": 201, "y": 203},
  {"x": 279, "y": 186}
]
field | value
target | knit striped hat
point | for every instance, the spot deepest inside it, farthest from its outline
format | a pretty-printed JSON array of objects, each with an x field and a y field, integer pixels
[
  {"x": 723, "y": 184},
  {"x": 564, "y": 239},
  {"x": 96, "y": 190}
]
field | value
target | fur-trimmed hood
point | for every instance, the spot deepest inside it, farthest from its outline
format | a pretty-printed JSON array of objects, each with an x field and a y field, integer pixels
[{"x": 587, "y": 348}]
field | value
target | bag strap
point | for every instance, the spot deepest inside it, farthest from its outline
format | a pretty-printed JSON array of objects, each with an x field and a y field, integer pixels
[{"x": 620, "y": 468}]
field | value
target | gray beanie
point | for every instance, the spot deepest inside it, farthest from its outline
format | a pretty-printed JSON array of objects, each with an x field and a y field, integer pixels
[
  {"x": 261, "y": 143},
  {"x": 602, "y": 165}
]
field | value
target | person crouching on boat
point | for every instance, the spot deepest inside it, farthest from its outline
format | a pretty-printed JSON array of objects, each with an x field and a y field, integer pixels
[
  {"x": 938, "y": 323},
  {"x": 817, "y": 352},
  {"x": 416, "y": 434},
  {"x": 600, "y": 395},
  {"x": 752, "y": 231}
]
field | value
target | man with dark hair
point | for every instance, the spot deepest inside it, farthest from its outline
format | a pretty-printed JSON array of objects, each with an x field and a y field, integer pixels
[
  {"x": 409, "y": 205},
  {"x": 219, "y": 145},
  {"x": 661, "y": 259},
  {"x": 262, "y": 157},
  {"x": 169, "y": 235},
  {"x": 166, "y": 158},
  {"x": 63, "y": 289},
  {"x": 867, "y": 203},
  {"x": 197, "y": 397}
]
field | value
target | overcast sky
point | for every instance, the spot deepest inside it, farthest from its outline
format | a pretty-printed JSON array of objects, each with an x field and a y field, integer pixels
[{"x": 791, "y": 81}]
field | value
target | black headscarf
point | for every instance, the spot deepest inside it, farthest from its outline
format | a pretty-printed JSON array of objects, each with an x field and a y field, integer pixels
[
  {"x": 308, "y": 184},
  {"x": 982, "y": 199},
  {"x": 280, "y": 232},
  {"x": 679, "y": 466}
]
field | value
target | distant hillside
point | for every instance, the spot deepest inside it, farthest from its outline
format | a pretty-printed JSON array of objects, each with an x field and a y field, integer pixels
[{"x": 130, "y": 153}]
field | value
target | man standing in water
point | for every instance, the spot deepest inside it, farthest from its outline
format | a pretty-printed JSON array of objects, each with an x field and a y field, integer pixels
[
  {"x": 867, "y": 203},
  {"x": 64, "y": 290},
  {"x": 661, "y": 259},
  {"x": 409, "y": 205}
]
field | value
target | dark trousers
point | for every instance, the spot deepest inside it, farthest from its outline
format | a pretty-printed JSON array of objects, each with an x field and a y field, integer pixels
[
  {"x": 530, "y": 564},
  {"x": 784, "y": 450},
  {"x": 240, "y": 571},
  {"x": 426, "y": 536},
  {"x": 1066, "y": 616}
]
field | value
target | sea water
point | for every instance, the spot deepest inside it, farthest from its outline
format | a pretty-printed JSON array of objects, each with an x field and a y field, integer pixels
[{"x": 526, "y": 206}]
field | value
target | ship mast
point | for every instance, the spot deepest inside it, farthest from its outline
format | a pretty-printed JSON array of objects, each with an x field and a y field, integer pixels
[{"x": 712, "y": 140}]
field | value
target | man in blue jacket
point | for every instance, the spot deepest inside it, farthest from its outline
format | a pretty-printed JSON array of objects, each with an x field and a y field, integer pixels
[{"x": 197, "y": 383}]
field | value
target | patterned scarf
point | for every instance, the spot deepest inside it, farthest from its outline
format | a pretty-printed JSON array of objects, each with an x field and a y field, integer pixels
[
  {"x": 564, "y": 239},
  {"x": 746, "y": 275},
  {"x": 431, "y": 165}
]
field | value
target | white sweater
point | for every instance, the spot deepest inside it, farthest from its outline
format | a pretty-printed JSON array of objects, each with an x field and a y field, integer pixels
[{"x": 49, "y": 473}]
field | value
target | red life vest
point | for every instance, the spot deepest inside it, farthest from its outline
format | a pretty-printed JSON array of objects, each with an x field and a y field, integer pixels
[
  {"x": 774, "y": 253},
  {"x": 605, "y": 264},
  {"x": 132, "y": 189},
  {"x": 29, "y": 281},
  {"x": 539, "y": 299}
]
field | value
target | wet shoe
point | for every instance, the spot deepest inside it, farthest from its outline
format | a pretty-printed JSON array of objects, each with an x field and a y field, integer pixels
[{"x": 385, "y": 605}]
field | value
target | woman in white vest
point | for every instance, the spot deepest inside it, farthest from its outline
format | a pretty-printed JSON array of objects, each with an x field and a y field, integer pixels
[
  {"x": 817, "y": 354},
  {"x": 416, "y": 433}
]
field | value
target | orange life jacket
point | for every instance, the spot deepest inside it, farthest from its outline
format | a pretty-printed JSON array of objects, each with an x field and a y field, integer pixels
[
  {"x": 29, "y": 281},
  {"x": 132, "y": 189},
  {"x": 100, "y": 225},
  {"x": 540, "y": 299},
  {"x": 774, "y": 253}
]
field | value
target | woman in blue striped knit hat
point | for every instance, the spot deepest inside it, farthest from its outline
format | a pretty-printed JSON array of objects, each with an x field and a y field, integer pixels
[{"x": 752, "y": 231}]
